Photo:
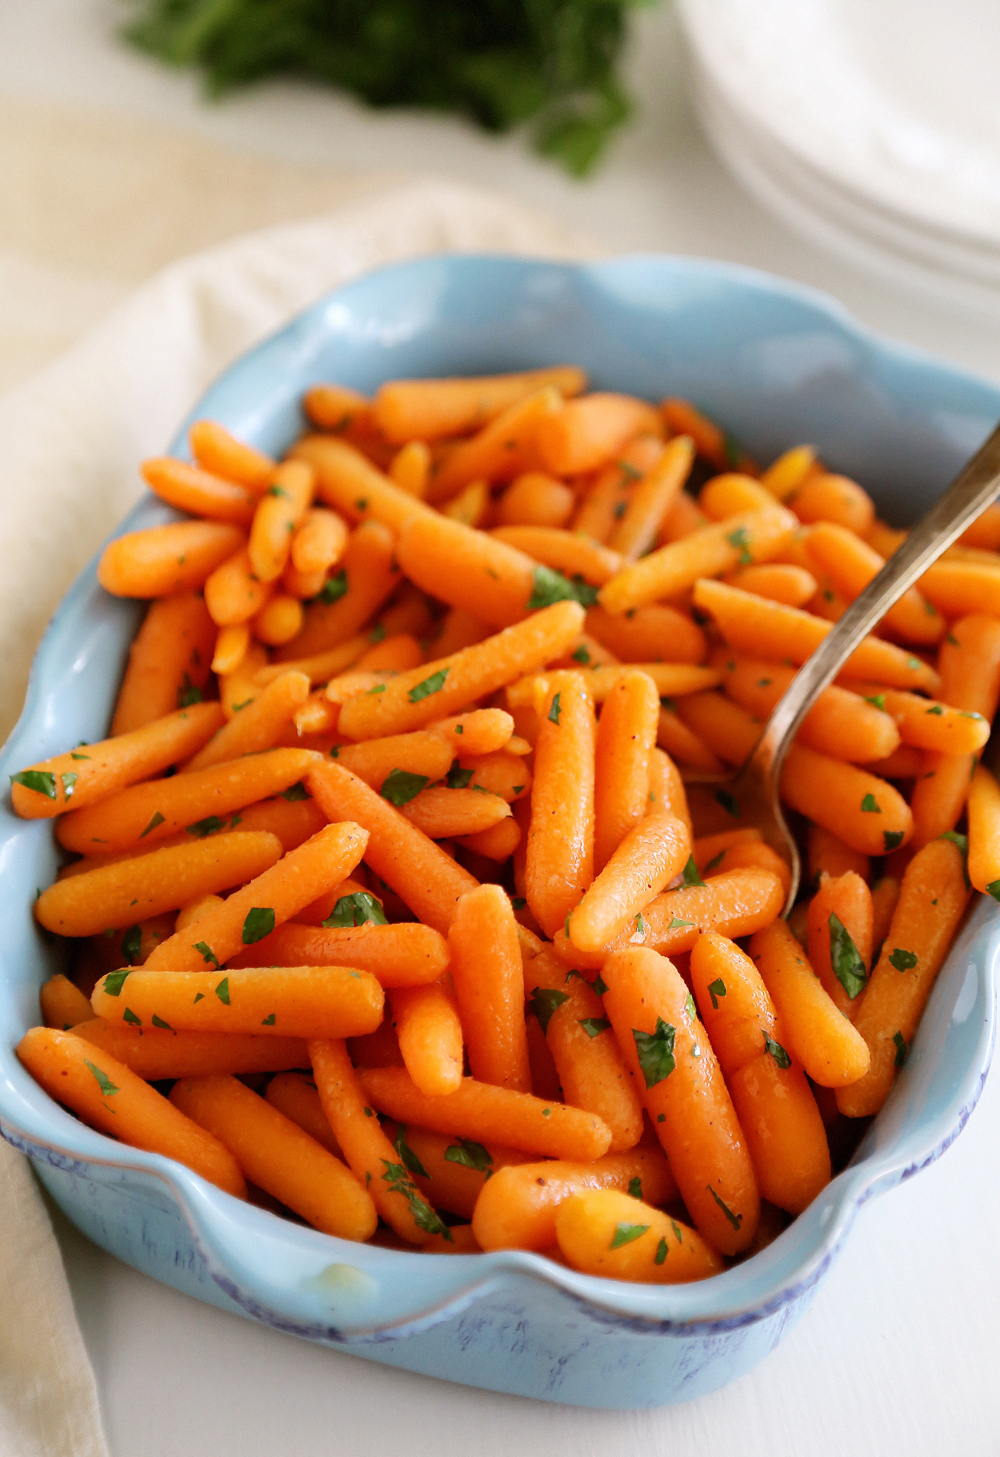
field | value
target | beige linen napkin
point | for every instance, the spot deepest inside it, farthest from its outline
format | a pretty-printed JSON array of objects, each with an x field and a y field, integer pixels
[{"x": 71, "y": 440}]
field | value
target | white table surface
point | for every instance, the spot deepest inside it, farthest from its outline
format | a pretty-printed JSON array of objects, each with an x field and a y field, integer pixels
[{"x": 900, "y": 1350}]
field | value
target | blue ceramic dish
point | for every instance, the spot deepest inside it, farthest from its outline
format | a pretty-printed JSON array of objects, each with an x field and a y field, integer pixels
[{"x": 778, "y": 364}]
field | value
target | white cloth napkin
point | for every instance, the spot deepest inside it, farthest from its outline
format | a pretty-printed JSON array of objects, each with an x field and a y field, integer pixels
[{"x": 71, "y": 440}]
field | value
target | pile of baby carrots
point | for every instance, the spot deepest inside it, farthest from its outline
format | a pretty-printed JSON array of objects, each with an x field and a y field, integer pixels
[{"x": 401, "y": 891}]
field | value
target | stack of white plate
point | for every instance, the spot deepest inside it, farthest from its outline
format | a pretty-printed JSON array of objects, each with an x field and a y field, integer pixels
[{"x": 873, "y": 126}]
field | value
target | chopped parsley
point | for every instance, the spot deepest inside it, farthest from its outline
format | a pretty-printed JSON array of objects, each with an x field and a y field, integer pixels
[
  {"x": 114, "y": 981},
  {"x": 556, "y": 709},
  {"x": 661, "y": 1252},
  {"x": 776, "y": 1051},
  {"x": 625, "y": 1233},
  {"x": 870, "y": 805},
  {"x": 40, "y": 780},
  {"x": 401, "y": 786},
  {"x": 594, "y": 1026},
  {"x": 845, "y": 958},
  {"x": 689, "y": 875},
  {"x": 430, "y": 685},
  {"x": 892, "y": 839},
  {"x": 132, "y": 944},
  {"x": 903, "y": 960},
  {"x": 157, "y": 819},
  {"x": 295, "y": 792},
  {"x": 129, "y": 1016},
  {"x": 424, "y": 1217},
  {"x": 716, "y": 989},
  {"x": 222, "y": 991},
  {"x": 728, "y": 802},
  {"x": 356, "y": 910},
  {"x": 410, "y": 1159},
  {"x": 259, "y": 923},
  {"x": 105, "y": 1084},
  {"x": 655, "y": 1051},
  {"x": 459, "y": 778},
  {"x": 543, "y": 1002},
  {"x": 635, "y": 1187},
  {"x": 207, "y": 954},
  {"x": 901, "y": 1049},
  {"x": 470, "y": 1155},
  {"x": 207, "y": 826},
  {"x": 734, "y": 1219},
  {"x": 333, "y": 588}
]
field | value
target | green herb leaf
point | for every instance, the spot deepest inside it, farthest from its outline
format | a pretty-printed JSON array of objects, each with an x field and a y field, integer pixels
[
  {"x": 877, "y": 700},
  {"x": 430, "y": 685},
  {"x": 661, "y": 1253},
  {"x": 625, "y": 1233},
  {"x": 377, "y": 633},
  {"x": 676, "y": 923},
  {"x": 406, "y": 1153},
  {"x": 935, "y": 708},
  {"x": 105, "y": 1084},
  {"x": 207, "y": 954},
  {"x": 777, "y": 1052},
  {"x": 962, "y": 841},
  {"x": 470, "y": 1155},
  {"x": 396, "y": 1178},
  {"x": 548, "y": 586},
  {"x": 245, "y": 704},
  {"x": 845, "y": 958},
  {"x": 556, "y": 709},
  {"x": 157, "y": 819},
  {"x": 640, "y": 925},
  {"x": 259, "y": 923},
  {"x": 902, "y": 960},
  {"x": 159, "y": 1022},
  {"x": 715, "y": 860},
  {"x": 993, "y": 889},
  {"x": 518, "y": 903},
  {"x": 74, "y": 755},
  {"x": 401, "y": 786},
  {"x": 132, "y": 945},
  {"x": 892, "y": 839},
  {"x": 901, "y": 1049},
  {"x": 543, "y": 1002},
  {"x": 690, "y": 1007},
  {"x": 333, "y": 588},
  {"x": 594, "y": 1026},
  {"x": 267, "y": 1021},
  {"x": 581, "y": 656},
  {"x": 295, "y": 792},
  {"x": 356, "y": 910},
  {"x": 689, "y": 875},
  {"x": 188, "y": 694},
  {"x": 68, "y": 784},
  {"x": 734, "y": 1219},
  {"x": 655, "y": 1051},
  {"x": 598, "y": 985},
  {"x": 740, "y": 540},
  {"x": 222, "y": 991},
  {"x": 870, "y": 805},
  {"x": 207, "y": 826},
  {"x": 635, "y": 1187},
  {"x": 114, "y": 981},
  {"x": 716, "y": 989},
  {"x": 40, "y": 780},
  {"x": 729, "y": 804},
  {"x": 459, "y": 778},
  {"x": 129, "y": 1016}
]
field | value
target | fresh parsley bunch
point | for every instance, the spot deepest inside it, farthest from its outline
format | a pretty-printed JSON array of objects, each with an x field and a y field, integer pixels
[{"x": 506, "y": 63}]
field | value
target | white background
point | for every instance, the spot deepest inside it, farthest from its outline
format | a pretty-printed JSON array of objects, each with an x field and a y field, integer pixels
[{"x": 900, "y": 1351}]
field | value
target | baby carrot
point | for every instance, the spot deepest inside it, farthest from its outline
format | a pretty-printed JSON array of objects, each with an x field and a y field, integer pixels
[
  {"x": 506, "y": 447},
  {"x": 475, "y": 570},
  {"x": 442, "y": 813},
  {"x": 427, "y": 879},
  {"x": 726, "y": 494},
  {"x": 295, "y": 1095},
  {"x": 319, "y": 540},
  {"x": 349, "y": 483},
  {"x": 369, "y": 1154},
  {"x": 293, "y": 821},
  {"x": 651, "y": 854},
  {"x": 392, "y": 654},
  {"x": 239, "y": 687},
  {"x": 839, "y": 930},
  {"x": 215, "y": 449},
  {"x": 586, "y": 433},
  {"x": 818, "y": 1034},
  {"x": 885, "y": 897},
  {"x": 63, "y": 1004},
  {"x": 535, "y": 499},
  {"x": 565, "y": 551},
  {"x": 606, "y": 497},
  {"x": 340, "y": 409},
  {"x": 330, "y": 1001},
  {"x": 279, "y": 620},
  {"x": 410, "y": 468},
  {"x": 654, "y": 633},
  {"x": 450, "y": 1172},
  {"x": 517, "y": 1208},
  {"x": 233, "y": 594},
  {"x": 489, "y": 1114},
  {"x": 166, "y": 559},
  {"x": 604, "y": 1232},
  {"x": 258, "y": 726},
  {"x": 497, "y": 843},
  {"x": 841, "y": 723},
  {"x": 94, "y": 771},
  {"x": 865, "y": 812},
  {"x": 403, "y": 955},
  {"x": 834, "y": 498},
  {"x": 851, "y": 564},
  {"x": 626, "y": 736},
  {"x": 483, "y": 731},
  {"x": 422, "y": 753},
  {"x": 680, "y": 742},
  {"x": 560, "y": 847},
  {"x": 588, "y": 1061},
  {"x": 984, "y": 832},
  {"x": 678, "y": 1076},
  {"x": 281, "y": 508},
  {"x": 111, "y": 1098},
  {"x": 168, "y": 662},
  {"x": 197, "y": 803},
  {"x": 649, "y": 502},
  {"x": 427, "y": 409},
  {"x": 788, "y": 472},
  {"x": 707, "y": 850},
  {"x": 430, "y": 1036},
  {"x": 319, "y": 667},
  {"x": 278, "y": 1156},
  {"x": 723, "y": 726},
  {"x": 666, "y": 788},
  {"x": 446, "y": 685},
  {"x": 231, "y": 644},
  {"x": 777, "y": 581},
  {"x": 489, "y": 986},
  {"x": 713, "y": 444},
  {"x": 156, "y": 1053},
  {"x": 827, "y": 854},
  {"x": 932, "y": 901},
  {"x": 929, "y": 725},
  {"x": 751, "y": 536},
  {"x": 682, "y": 518},
  {"x": 754, "y": 854},
  {"x": 365, "y": 577},
  {"x": 146, "y": 885},
  {"x": 198, "y": 491},
  {"x": 956, "y": 587}
]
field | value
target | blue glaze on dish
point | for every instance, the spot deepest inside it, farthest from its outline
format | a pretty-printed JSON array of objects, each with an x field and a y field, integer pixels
[{"x": 778, "y": 364}]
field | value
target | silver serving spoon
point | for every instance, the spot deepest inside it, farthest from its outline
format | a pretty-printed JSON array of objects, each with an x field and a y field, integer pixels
[{"x": 753, "y": 791}]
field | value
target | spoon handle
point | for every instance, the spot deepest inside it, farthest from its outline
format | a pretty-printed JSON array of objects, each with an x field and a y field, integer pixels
[{"x": 972, "y": 489}]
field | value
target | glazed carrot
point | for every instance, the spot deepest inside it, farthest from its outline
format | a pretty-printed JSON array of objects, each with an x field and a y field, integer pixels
[
  {"x": 851, "y": 564},
  {"x": 903, "y": 763},
  {"x": 196, "y": 803},
  {"x": 168, "y": 662},
  {"x": 460, "y": 630},
  {"x": 414, "y": 867},
  {"x": 497, "y": 843},
  {"x": 148, "y": 885},
  {"x": 670, "y": 680},
  {"x": 364, "y": 579},
  {"x": 560, "y": 847},
  {"x": 410, "y": 468},
  {"x": 651, "y": 854},
  {"x": 428, "y": 409},
  {"x": 651, "y": 498},
  {"x": 369, "y": 1154},
  {"x": 778, "y": 582},
  {"x": 450, "y": 1172},
  {"x": 239, "y": 688},
  {"x": 865, "y": 812},
  {"x": 680, "y": 742},
  {"x": 155, "y": 1053},
  {"x": 788, "y": 472},
  {"x": 442, "y": 812},
  {"x": 957, "y": 587},
  {"x": 489, "y": 1114},
  {"x": 729, "y": 493},
  {"x": 626, "y": 736},
  {"x": 650, "y": 634},
  {"x": 63, "y": 1005},
  {"x": 404, "y": 955},
  {"x": 666, "y": 788},
  {"x": 817, "y": 1033},
  {"x": 932, "y": 901},
  {"x": 198, "y": 492},
  {"x": 724, "y": 727},
  {"x": 770, "y": 630},
  {"x": 720, "y": 449},
  {"x": 751, "y": 536},
  {"x": 392, "y": 654},
  {"x": 506, "y": 447},
  {"x": 984, "y": 832},
  {"x": 319, "y": 540},
  {"x": 474, "y": 570},
  {"x": 826, "y": 854},
  {"x": 295, "y": 1095},
  {"x": 338, "y": 408},
  {"x": 447, "y": 685},
  {"x": 885, "y": 897},
  {"x": 470, "y": 505},
  {"x": 834, "y": 498},
  {"x": 586, "y": 433},
  {"x": 327, "y": 907},
  {"x": 112, "y": 1099},
  {"x": 930, "y": 725},
  {"x": 754, "y": 854},
  {"x": 565, "y": 551},
  {"x": 707, "y": 850},
  {"x": 535, "y": 499},
  {"x": 489, "y": 986},
  {"x": 681, "y": 1084},
  {"x": 331, "y": 1001},
  {"x": 258, "y": 726},
  {"x": 166, "y": 559},
  {"x": 604, "y": 1232},
  {"x": 517, "y": 1207},
  {"x": 94, "y": 771},
  {"x": 482, "y": 731},
  {"x": 231, "y": 644},
  {"x": 589, "y": 1064},
  {"x": 279, "y": 620},
  {"x": 426, "y": 754},
  {"x": 840, "y": 927},
  {"x": 320, "y": 667},
  {"x": 606, "y": 498},
  {"x": 232, "y": 593},
  {"x": 355, "y": 488},
  {"x": 293, "y": 821},
  {"x": 278, "y": 1156},
  {"x": 430, "y": 1036},
  {"x": 841, "y": 723},
  {"x": 216, "y": 450},
  {"x": 682, "y": 518},
  {"x": 777, "y": 1112}
]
